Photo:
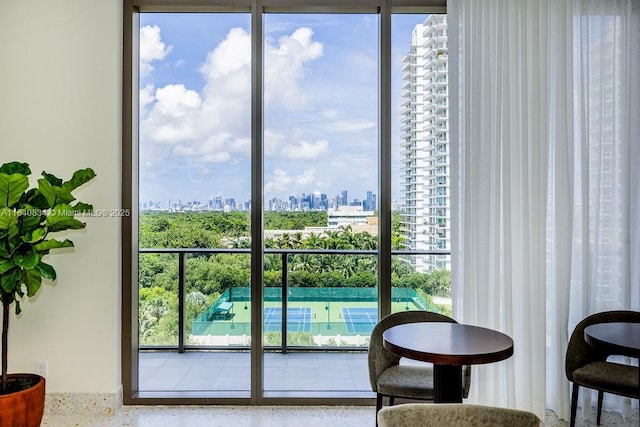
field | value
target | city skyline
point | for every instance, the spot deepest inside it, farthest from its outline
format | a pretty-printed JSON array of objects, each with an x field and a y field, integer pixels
[{"x": 299, "y": 202}]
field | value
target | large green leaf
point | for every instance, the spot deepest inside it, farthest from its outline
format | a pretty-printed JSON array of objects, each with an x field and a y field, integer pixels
[
  {"x": 28, "y": 260},
  {"x": 66, "y": 223},
  {"x": 33, "y": 236},
  {"x": 30, "y": 218},
  {"x": 79, "y": 177},
  {"x": 52, "y": 179},
  {"x": 82, "y": 207},
  {"x": 47, "y": 245},
  {"x": 15, "y": 167},
  {"x": 10, "y": 281},
  {"x": 6, "y": 265},
  {"x": 11, "y": 188},
  {"x": 54, "y": 195},
  {"x": 35, "y": 198},
  {"x": 14, "y": 239},
  {"x": 8, "y": 218},
  {"x": 62, "y": 218},
  {"x": 14, "y": 231},
  {"x": 33, "y": 280},
  {"x": 45, "y": 270}
]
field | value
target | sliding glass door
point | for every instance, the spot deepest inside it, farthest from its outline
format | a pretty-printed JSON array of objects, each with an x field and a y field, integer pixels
[
  {"x": 320, "y": 174},
  {"x": 194, "y": 200},
  {"x": 287, "y": 186}
]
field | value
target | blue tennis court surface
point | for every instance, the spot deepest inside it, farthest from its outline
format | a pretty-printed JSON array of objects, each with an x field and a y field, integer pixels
[
  {"x": 360, "y": 320},
  {"x": 298, "y": 319}
]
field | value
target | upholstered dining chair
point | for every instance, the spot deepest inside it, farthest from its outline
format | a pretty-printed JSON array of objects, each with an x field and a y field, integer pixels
[
  {"x": 454, "y": 415},
  {"x": 390, "y": 378},
  {"x": 587, "y": 367}
]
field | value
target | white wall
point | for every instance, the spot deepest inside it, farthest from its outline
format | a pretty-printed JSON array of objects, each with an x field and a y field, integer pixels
[{"x": 60, "y": 110}]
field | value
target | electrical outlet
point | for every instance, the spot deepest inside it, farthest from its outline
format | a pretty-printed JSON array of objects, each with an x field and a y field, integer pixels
[{"x": 41, "y": 368}]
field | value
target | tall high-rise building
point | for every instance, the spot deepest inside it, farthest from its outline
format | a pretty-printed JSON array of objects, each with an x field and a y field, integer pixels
[
  {"x": 425, "y": 144},
  {"x": 369, "y": 203}
]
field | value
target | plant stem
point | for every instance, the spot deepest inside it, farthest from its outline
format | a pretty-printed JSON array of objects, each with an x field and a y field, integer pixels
[{"x": 5, "y": 336}]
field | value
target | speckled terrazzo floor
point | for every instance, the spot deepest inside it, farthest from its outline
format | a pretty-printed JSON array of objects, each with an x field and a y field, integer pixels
[{"x": 266, "y": 416}]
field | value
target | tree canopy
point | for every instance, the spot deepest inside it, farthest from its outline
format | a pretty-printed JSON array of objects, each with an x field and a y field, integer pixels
[{"x": 208, "y": 275}]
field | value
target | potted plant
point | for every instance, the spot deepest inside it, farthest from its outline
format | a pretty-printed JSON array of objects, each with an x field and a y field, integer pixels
[{"x": 27, "y": 217}]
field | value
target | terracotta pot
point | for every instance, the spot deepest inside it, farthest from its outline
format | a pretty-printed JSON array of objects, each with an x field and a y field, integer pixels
[{"x": 23, "y": 408}]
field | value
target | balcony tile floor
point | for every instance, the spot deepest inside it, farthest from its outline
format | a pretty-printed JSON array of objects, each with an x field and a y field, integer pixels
[{"x": 201, "y": 371}]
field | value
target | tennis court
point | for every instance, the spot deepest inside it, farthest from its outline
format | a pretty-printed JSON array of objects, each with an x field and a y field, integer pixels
[
  {"x": 298, "y": 319},
  {"x": 360, "y": 319},
  {"x": 331, "y": 313}
]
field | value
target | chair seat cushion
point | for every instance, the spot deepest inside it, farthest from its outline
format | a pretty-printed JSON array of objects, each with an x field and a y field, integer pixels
[
  {"x": 454, "y": 415},
  {"x": 407, "y": 381},
  {"x": 609, "y": 377}
]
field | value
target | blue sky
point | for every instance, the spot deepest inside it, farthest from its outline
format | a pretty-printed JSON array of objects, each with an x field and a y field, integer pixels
[{"x": 320, "y": 104}]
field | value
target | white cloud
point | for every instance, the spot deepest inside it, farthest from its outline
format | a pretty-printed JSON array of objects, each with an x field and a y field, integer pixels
[
  {"x": 147, "y": 96},
  {"x": 174, "y": 116},
  {"x": 152, "y": 48},
  {"x": 231, "y": 56},
  {"x": 330, "y": 114},
  {"x": 282, "y": 183},
  {"x": 273, "y": 140},
  {"x": 350, "y": 125},
  {"x": 305, "y": 150},
  {"x": 215, "y": 124},
  {"x": 285, "y": 66},
  {"x": 338, "y": 121}
]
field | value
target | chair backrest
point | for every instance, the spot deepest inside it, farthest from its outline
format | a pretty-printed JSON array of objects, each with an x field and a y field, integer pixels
[
  {"x": 579, "y": 353},
  {"x": 454, "y": 415},
  {"x": 379, "y": 358}
]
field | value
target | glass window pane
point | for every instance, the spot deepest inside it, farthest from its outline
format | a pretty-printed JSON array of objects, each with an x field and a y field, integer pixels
[
  {"x": 321, "y": 175},
  {"x": 421, "y": 182},
  {"x": 421, "y": 290},
  {"x": 194, "y": 195}
]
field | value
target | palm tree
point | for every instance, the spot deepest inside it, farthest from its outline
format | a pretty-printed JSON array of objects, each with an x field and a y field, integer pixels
[{"x": 313, "y": 242}]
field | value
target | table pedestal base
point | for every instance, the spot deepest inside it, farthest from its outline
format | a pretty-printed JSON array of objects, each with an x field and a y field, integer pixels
[{"x": 447, "y": 383}]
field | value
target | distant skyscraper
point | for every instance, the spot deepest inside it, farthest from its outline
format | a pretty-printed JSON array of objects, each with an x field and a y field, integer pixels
[
  {"x": 370, "y": 202},
  {"x": 425, "y": 144}
]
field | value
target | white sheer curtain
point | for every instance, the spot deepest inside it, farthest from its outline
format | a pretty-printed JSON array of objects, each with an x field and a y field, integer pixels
[
  {"x": 603, "y": 206},
  {"x": 544, "y": 120},
  {"x": 500, "y": 75}
]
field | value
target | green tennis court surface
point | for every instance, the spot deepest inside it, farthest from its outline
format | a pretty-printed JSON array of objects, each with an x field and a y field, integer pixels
[
  {"x": 298, "y": 319},
  {"x": 316, "y": 311}
]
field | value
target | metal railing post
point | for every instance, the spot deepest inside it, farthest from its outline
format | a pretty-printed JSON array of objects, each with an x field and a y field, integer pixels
[
  {"x": 285, "y": 287},
  {"x": 181, "y": 299}
]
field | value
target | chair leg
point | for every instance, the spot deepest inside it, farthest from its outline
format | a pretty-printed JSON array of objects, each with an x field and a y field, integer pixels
[
  {"x": 574, "y": 404},
  {"x": 378, "y": 406},
  {"x": 600, "y": 396},
  {"x": 392, "y": 400}
]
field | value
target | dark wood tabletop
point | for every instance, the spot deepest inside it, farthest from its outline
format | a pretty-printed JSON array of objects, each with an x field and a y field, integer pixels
[
  {"x": 448, "y": 346},
  {"x": 448, "y": 343},
  {"x": 621, "y": 338}
]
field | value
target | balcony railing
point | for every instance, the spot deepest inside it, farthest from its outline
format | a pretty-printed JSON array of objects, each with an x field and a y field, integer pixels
[{"x": 284, "y": 290}]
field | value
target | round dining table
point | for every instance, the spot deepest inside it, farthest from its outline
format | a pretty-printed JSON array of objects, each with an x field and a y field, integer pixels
[
  {"x": 622, "y": 338},
  {"x": 448, "y": 346}
]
